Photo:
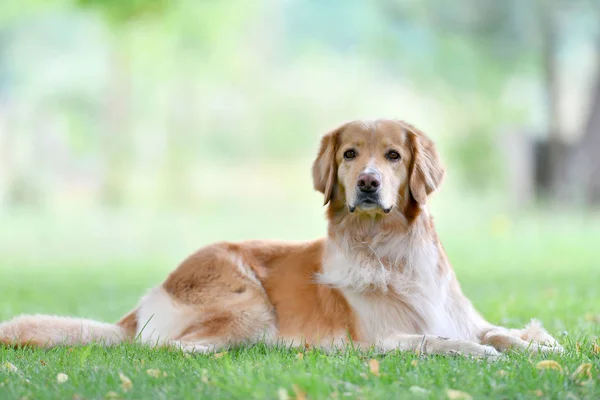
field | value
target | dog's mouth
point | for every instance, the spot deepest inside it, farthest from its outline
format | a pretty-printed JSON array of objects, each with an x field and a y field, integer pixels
[{"x": 368, "y": 203}]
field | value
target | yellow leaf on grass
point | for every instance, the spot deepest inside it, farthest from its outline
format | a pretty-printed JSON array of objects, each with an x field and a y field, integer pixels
[
  {"x": 583, "y": 372},
  {"x": 126, "y": 383},
  {"x": 549, "y": 364},
  {"x": 219, "y": 355},
  {"x": 414, "y": 363},
  {"x": 62, "y": 378},
  {"x": 9, "y": 367},
  {"x": 538, "y": 393},
  {"x": 155, "y": 373},
  {"x": 300, "y": 394},
  {"x": 282, "y": 394},
  {"x": 112, "y": 395},
  {"x": 592, "y": 318},
  {"x": 374, "y": 367},
  {"x": 300, "y": 356},
  {"x": 502, "y": 373},
  {"x": 458, "y": 395},
  {"x": 596, "y": 348}
]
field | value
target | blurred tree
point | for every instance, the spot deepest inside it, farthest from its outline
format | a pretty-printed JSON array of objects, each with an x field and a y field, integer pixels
[
  {"x": 506, "y": 36},
  {"x": 584, "y": 161},
  {"x": 117, "y": 114},
  {"x": 119, "y": 12}
]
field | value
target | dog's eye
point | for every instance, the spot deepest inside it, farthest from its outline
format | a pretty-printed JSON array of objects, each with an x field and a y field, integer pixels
[
  {"x": 349, "y": 154},
  {"x": 392, "y": 155}
]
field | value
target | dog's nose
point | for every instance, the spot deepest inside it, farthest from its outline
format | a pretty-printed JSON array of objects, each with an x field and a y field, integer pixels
[{"x": 368, "y": 182}]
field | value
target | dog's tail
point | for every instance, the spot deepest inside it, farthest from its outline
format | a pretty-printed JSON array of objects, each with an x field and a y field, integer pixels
[{"x": 50, "y": 331}]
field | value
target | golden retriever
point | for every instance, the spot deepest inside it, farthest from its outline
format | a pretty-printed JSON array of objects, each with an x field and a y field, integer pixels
[{"x": 380, "y": 278}]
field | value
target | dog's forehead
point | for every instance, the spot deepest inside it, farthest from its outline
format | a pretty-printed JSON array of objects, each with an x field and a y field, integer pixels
[{"x": 376, "y": 132}]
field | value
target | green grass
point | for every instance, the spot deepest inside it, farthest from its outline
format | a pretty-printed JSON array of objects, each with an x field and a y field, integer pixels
[{"x": 513, "y": 267}]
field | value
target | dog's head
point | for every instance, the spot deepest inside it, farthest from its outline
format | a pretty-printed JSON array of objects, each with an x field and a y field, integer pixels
[{"x": 376, "y": 166}]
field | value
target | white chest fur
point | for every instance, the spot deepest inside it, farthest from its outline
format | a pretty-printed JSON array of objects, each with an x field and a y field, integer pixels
[{"x": 397, "y": 289}]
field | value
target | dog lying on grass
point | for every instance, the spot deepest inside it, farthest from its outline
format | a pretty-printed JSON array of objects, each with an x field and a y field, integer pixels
[{"x": 380, "y": 278}]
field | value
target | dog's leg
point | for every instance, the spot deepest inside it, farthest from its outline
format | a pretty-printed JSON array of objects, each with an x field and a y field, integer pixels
[
  {"x": 532, "y": 338},
  {"x": 430, "y": 344},
  {"x": 212, "y": 301},
  {"x": 241, "y": 330}
]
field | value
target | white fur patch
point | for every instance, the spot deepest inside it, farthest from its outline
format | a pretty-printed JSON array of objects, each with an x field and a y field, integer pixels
[
  {"x": 161, "y": 319},
  {"x": 405, "y": 294},
  {"x": 245, "y": 269}
]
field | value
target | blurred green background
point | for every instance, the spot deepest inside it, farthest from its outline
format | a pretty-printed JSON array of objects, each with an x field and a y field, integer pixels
[{"x": 134, "y": 131}]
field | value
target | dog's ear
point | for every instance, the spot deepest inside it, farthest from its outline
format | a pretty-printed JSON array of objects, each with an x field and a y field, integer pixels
[
  {"x": 426, "y": 171},
  {"x": 325, "y": 167}
]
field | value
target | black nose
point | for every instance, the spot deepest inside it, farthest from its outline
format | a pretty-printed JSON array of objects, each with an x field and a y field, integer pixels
[{"x": 368, "y": 182}]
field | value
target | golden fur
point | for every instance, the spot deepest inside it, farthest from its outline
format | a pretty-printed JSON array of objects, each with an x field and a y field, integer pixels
[{"x": 380, "y": 277}]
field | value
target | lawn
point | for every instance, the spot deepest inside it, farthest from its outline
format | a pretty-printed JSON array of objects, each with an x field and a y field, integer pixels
[{"x": 514, "y": 266}]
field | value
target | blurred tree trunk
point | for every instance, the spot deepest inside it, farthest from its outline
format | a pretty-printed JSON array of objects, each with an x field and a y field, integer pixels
[
  {"x": 585, "y": 162},
  {"x": 116, "y": 125},
  {"x": 556, "y": 148}
]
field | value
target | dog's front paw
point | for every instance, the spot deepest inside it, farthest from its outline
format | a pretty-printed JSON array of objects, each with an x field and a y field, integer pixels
[
  {"x": 540, "y": 341},
  {"x": 533, "y": 338}
]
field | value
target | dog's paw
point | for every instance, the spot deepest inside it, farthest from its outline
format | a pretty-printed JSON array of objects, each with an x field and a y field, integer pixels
[
  {"x": 194, "y": 348},
  {"x": 539, "y": 340}
]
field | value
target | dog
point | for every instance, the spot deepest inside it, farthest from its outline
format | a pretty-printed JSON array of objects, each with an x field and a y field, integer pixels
[{"x": 380, "y": 279}]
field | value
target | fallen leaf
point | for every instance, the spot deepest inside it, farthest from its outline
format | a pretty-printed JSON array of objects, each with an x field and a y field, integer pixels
[
  {"x": 10, "y": 367},
  {"x": 126, "y": 383},
  {"x": 583, "y": 372},
  {"x": 112, "y": 395},
  {"x": 538, "y": 393},
  {"x": 300, "y": 356},
  {"x": 578, "y": 347},
  {"x": 596, "y": 349},
  {"x": 419, "y": 391},
  {"x": 62, "y": 378},
  {"x": 414, "y": 363},
  {"x": 374, "y": 367},
  {"x": 549, "y": 364},
  {"x": 502, "y": 373},
  {"x": 155, "y": 373},
  {"x": 458, "y": 395},
  {"x": 282, "y": 394},
  {"x": 592, "y": 318},
  {"x": 43, "y": 362},
  {"x": 300, "y": 394}
]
